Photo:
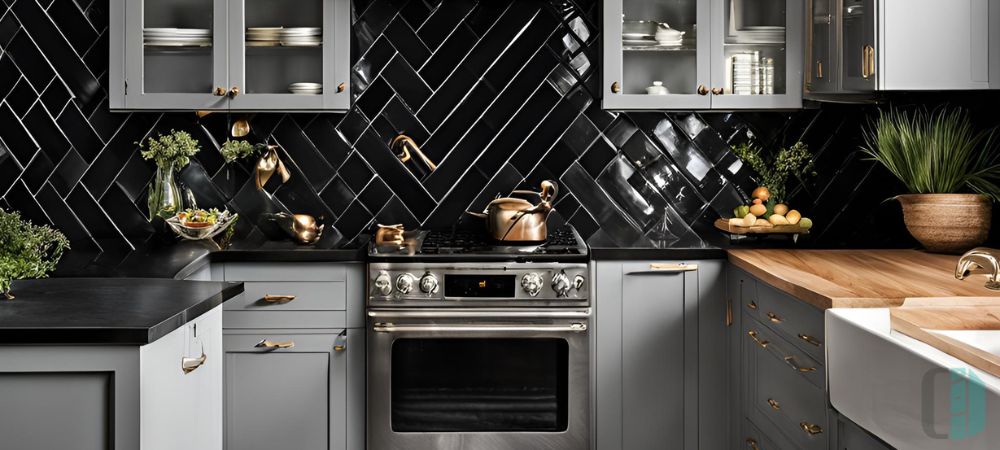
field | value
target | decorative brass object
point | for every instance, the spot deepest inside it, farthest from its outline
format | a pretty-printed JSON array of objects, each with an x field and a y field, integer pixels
[
  {"x": 201, "y": 114},
  {"x": 268, "y": 165},
  {"x": 516, "y": 219},
  {"x": 810, "y": 339},
  {"x": 615, "y": 87},
  {"x": 278, "y": 298},
  {"x": 303, "y": 228},
  {"x": 389, "y": 235},
  {"x": 790, "y": 360},
  {"x": 189, "y": 365},
  {"x": 271, "y": 345},
  {"x": 404, "y": 144},
  {"x": 774, "y": 404},
  {"x": 774, "y": 318},
  {"x": 810, "y": 428},
  {"x": 753, "y": 335},
  {"x": 702, "y": 89},
  {"x": 241, "y": 127}
]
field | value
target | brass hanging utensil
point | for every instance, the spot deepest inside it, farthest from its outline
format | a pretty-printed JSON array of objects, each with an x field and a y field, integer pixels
[
  {"x": 241, "y": 127},
  {"x": 405, "y": 144},
  {"x": 268, "y": 165}
]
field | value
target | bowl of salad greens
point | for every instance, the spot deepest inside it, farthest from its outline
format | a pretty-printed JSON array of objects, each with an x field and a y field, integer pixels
[{"x": 198, "y": 224}]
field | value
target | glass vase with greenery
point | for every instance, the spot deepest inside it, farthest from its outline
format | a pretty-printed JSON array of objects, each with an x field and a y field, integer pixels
[
  {"x": 172, "y": 152},
  {"x": 27, "y": 251}
]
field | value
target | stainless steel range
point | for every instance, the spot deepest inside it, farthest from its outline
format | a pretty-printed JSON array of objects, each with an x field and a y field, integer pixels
[{"x": 475, "y": 346}]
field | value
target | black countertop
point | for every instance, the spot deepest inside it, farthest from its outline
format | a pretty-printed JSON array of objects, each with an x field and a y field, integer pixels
[
  {"x": 105, "y": 311},
  {"x": 697, "y": 244}
]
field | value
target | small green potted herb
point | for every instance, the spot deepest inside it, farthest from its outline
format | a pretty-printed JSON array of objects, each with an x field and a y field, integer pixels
[
  {"x": 172, "y": 152},
  {"x": 233, "y": 150},
  {"x": 27, "y": 251},
  {"x": 951, "y": 170}
]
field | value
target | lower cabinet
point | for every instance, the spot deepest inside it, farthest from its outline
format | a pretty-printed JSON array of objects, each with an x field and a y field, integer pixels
[
  {"x": 653, "y": 386},
  {"x": 294, "y": 390}
]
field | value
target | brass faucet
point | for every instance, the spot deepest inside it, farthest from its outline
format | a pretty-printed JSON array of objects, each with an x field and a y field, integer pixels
[{"x": 979, "y": 259}]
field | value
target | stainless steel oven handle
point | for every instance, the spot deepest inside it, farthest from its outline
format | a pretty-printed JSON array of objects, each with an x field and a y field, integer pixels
[
  {"x": 382, "y": 327},
  {"x": 480, "y": 314}
]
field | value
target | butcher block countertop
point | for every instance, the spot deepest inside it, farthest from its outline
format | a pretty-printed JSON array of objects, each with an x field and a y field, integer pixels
[{"x": 859, "y": 278}]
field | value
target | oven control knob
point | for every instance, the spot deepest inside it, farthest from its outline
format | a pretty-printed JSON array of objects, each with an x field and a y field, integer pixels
[
  {"x": 532, "y": 283},
  {"x": 561, "y": 284},
  {"x": 429, "y": 283},
  {"x": 404, "y": 283},
  {"x": 383, "y": 283}
]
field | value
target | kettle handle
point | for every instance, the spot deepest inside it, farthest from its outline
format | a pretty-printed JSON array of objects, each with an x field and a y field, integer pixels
[
  {"x": 477, "y": 214},
  {"x": 549, "y": 191}
]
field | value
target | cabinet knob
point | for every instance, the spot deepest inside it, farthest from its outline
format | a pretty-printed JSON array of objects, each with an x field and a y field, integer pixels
[
  {"x": 615, "y": 87},
  {"x": 718, "y": 91},
  {"x": 340, "y": 344},
  {"x": 219, "y": 91},
  {"x": 702, "y": 89},
  {"x": 234, "y": 92},
  {"x": 752, "y": 444},
  {"x": 341, "y": 87}
]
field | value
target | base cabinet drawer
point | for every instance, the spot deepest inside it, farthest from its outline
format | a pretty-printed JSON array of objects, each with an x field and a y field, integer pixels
[
  {"x": 795, "y": 320},
  {"x": 291, "y": 296}
]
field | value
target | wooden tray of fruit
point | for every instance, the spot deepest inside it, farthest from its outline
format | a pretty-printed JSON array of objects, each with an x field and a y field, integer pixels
[{"x": 764, "y": 218}]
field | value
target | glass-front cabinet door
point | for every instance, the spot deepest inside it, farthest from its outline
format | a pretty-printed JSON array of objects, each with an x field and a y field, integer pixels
[
  {"x": 821, "y": 65},
  {"x": 656, "y": 54},
  {"x": 289, "y": 54},
  {"x": 757, "y": 54},
  {"x": 176, "y": 54},
  {"x": 858, "y": 47}
]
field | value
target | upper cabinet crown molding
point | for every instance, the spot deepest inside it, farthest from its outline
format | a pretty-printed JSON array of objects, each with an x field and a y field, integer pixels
[
  {"x": 221, "y": 69},
  {"x": 864, "y": 46},
  {"x": 734, "y": 54}
]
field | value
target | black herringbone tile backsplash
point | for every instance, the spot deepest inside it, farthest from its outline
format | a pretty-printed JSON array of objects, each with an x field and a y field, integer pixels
[{"x": 503, "y": 94}]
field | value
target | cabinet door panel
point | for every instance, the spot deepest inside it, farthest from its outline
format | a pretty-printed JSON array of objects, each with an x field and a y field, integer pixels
[
  {"x": 859, "y": 50},
  {"x": 821, "y": 68}
]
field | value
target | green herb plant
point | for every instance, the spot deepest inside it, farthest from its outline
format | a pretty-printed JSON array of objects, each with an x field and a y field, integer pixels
[
  {"x": 174, "y": 149},
  {"x": 796, "y": 160},
  {"x": 27, "y": 251},
  {"x": 935, "y": 152},
  {"x": 233, "y": 150}
]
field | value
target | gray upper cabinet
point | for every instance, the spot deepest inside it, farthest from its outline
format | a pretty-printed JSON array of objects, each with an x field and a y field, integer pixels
[
  {"x": 228, "y": 55},
  {"x": 734, "y": 54}
]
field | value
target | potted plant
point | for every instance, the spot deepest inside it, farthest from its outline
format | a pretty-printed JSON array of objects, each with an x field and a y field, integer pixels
[
  {"x": 172, "y": 152},
  {"x": 26, "y": 251},
  {"x": 950, "y": 170}
]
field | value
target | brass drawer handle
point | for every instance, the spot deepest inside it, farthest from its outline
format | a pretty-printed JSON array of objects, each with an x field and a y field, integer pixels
[
  {"x": 340, "y": 344},
  {"x": 774, "y": 317},
  {"x": 774, "y": 404},
  {"x": 752, "y": 305},
  {"x": 666, "y": 267},
  {"x": 188, "y": 364},
  {"x": 271, "y": 345},
  {"x": 810, "y": 428},
  {"x": 752, "y": 443},
  {"x": 278, "y": 298},
  {"x": 753, "y": 335},
  {"x": 790, "y": 360},
  {"x": 810, "y": 339}
]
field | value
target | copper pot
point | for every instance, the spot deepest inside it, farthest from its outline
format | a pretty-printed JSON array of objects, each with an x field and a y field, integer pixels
[{"x": 513, "y": 219}]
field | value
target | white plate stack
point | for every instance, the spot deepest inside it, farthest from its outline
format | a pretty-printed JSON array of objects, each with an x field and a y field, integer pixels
[
  {"x": 177, "y": 37},
  {"x": 263, "y": 36},
  {"x": 301, "y": 36},
  {"x": 305, "y": 88}
]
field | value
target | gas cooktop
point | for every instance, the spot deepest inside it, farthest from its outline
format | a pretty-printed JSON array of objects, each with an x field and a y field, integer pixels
[{"x": 563, "y": 243}]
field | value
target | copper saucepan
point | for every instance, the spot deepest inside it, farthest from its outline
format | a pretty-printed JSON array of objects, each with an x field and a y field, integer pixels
[{"x": 512, "y": 219}]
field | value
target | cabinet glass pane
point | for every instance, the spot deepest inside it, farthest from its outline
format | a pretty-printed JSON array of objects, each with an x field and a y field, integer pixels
[
  {"x": 822, "y": 24},
  {"x": 754, "y": 47},
  {"x": 284, "y": 52},
  {"x": 854, "y": 39},
  {"x": 177, "y": 46},
  {"x": 659, "y": 45}
]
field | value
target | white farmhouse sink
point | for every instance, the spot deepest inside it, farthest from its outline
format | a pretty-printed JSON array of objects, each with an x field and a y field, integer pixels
[{"x": 904, "y": 391}]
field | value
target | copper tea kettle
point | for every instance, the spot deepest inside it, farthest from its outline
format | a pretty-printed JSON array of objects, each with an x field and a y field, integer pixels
[{"x": 512, "y": 219}]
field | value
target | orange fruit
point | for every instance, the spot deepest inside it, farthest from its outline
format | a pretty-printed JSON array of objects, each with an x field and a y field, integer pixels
[{"x": 762, "y": 193}]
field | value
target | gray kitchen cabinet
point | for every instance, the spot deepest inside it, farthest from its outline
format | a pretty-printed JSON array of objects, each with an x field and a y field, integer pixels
[
  {"x": 850, "y": 436},
  {"x": 735, "y": 54},
  {"x": 653, "y": 387},
  {"x": 153, "y": 69},
  {"x": 822, "y": 62}
]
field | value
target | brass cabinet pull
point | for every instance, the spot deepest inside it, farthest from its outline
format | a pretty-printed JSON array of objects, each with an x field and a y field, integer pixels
[
  {"x": 718, "y": 91},
  {"x": 810, "y": 428},
  {"x": 234, "y": 92},
  {"x": 340, "y": 344},
  {"x": 871, "y": 60},
  {"x": 753, "y": 335},
  {"x": 219, "y": 91},
  {"x": 341, "y": 87},
  {"x": 752, "y": 305},
  {"x": 702, "y": 89},
  {"x": 774, "y": 404},
  {"x": 790, "y": 360},
  {"x": 666, "y": 267},
  {"x": 819, "y": 70},
  {"x": 615, "y": 87},
  {"x": 278, "y": 298},
  {"x": 867, "y": 61},
  {"x": 188, "y": 364},
  {"x": 774, "y": 317},
  {"x": 752, "y": 443},
  {"x": 810, "y": 339},
  {"x": 271, "y": 345}
]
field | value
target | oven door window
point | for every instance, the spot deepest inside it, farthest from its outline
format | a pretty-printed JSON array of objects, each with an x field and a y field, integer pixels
[{"x": 479, "y": 385}]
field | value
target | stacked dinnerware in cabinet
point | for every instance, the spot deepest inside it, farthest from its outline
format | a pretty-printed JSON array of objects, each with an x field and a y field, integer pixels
[
  {"x": 305, "y": 88},
  {"x": 284, "y": 37},
  {"x": 177, "y": 37},
  {"x": 751, "y": 75}
]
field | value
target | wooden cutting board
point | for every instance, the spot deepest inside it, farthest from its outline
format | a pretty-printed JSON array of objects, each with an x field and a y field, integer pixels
[
  {"x": 921, "y": 322},
  {"x": 723, "y": 224}
]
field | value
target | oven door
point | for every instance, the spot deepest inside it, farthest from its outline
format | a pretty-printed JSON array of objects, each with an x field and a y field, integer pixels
[{"x": 478, "y": 380}]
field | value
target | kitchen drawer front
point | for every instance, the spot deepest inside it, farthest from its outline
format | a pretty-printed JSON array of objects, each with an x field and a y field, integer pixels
[
  {"x": 755, "y": 439},
  {"x": 242, "y": 319},
  {"x": 303, "y": 342},
  {"x": 799, "y": 322},
  {"x": 311, "y": 271},
  {"x": 784, "y": 387},
  {"x": 291, "y": 296}
]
